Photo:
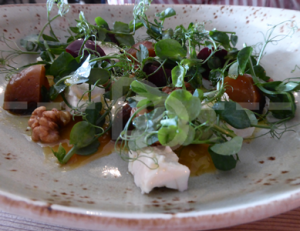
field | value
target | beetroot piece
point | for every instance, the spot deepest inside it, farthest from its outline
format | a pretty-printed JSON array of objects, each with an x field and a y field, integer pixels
[
  {"x": 75, "y": 46},
  {"x": 221, "y": 54},
  {"x": 219, "y": 58},
  {"x": 120, "y": 120},
  {"x": 204, "y": 53},
  {"x": 158, "y": 79}
]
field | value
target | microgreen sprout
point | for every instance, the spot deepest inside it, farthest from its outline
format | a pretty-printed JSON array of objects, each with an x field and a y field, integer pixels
[{"x": 180, "y": 117}]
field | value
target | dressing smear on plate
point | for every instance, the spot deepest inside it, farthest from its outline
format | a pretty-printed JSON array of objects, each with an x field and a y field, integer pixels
[{"x": 181, "y": 102}]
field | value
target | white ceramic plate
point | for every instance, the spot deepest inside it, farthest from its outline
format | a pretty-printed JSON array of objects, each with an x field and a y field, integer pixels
[{"x": 101, "y": 195}]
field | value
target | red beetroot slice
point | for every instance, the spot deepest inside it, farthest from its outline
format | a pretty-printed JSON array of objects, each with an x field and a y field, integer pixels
[
  {"x": 75, "y": 46},
  {"x": 158, "y": 79},
  {"x": 205, "y": 53}
]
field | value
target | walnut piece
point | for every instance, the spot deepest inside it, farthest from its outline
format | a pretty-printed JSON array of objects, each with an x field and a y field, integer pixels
[{"x": 45, "y": 124}]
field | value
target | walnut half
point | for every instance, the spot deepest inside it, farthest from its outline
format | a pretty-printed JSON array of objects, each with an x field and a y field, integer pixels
[{"x": 45, "y": 124}]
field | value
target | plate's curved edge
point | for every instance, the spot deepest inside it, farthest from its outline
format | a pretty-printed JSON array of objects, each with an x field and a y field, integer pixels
[{"x": 46, "y": 213}]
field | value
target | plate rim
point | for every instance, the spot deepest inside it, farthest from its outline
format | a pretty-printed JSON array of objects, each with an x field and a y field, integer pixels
[
  {"x": 98, "y": 221},
  {"x": 48, "y": 213}
]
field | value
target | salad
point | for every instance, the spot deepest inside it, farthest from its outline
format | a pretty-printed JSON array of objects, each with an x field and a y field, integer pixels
[{"x": 183, "y": 87}]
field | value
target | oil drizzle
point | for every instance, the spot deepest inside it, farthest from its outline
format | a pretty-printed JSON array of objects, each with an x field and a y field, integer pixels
[
  {"x": 76, "y": 161},
  {"x": 196, "y": 158}
]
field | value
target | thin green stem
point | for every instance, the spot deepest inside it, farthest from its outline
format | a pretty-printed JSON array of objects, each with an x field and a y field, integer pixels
[
  {"x": 158, "y": 68},
  {"x": 69, "y": 155},
  {"x": 224, "y": 131},
  {"x": 90, "y": 92},
  {"x": 44, "y": 27}
]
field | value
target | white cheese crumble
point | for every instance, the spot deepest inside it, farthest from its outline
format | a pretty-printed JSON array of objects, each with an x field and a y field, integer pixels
[
  {"x": 75, "y": 92},
  {"x": 168, "y": 172}
]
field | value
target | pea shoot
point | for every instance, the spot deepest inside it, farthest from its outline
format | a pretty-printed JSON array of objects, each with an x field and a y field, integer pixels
[{"x": 184, "y": 110}]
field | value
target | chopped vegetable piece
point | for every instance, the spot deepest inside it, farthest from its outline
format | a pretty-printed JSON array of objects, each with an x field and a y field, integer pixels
[
  {"x": 136, "y": 47},
  {"x": 74, "y": 48},
  {"x": 243, "y": 91},
  {"x": 23, "y": 91}
]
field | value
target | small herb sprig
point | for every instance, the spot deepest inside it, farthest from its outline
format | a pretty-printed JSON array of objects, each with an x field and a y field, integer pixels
[{"x": 179, "y": 118}]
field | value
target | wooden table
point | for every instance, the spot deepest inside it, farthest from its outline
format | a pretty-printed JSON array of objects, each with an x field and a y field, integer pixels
[{"x": 289, "y": 221}]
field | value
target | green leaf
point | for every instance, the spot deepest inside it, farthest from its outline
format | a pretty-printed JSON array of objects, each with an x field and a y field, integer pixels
[
  {"x": 181, "y": 134},
  {"x": 168, "y": 34},
  {"x": 183, "y": 104},
  {"x": 189, "y": 63},
  {"x": 166, "y": 136},
  {"x": 141, "y": 139},
  {"x": 143, "y": 53},
  {"x": 49, "y": 38},
  {"x": 100, "y": 75},
  {"x": 125, "y": 40},
  {"x": 220, "y": 37},
  {"x": 61, "y": 63},
  {"x": 232, "y": 54},
  {"x": 89, "y": 150},
  {"x": 144, "y": 102},
  {"x": 147, "y": 91},
  {"x": 45, "y": 56},
  {"x": 135, "y": 24},
  {"x": 188, "y": 132},
  {"x": 74, "y": 29},
  {"x": 251, "y": 116},
  {"x": 221, "y": 162},
  {"x": 82, "y": 134},
  {"x": 288, "y": 87},
  {"x": 214, "y": 62},
  {"x": 271, "y": 86},
  {"x": 60, "y": 154},
  {"x": 203, "y": 133},
  {"x": 53, "y": 93},
  {"x": 282, "y": 106},
  {"x": 243, "y": 58},
  {"x": 199, "y": 93},
  {"x": 121, "y": 27},
  {"x": 261, "y": 73},
  {"x": 149, "y": 120},
  {"x": 169, "y": 49},
  {"x": 102, "y": 35},
  {"x": 154, "y": 32},
  {"x": 233, "y": 114},
  {"x": 57, "y": 51},
  {"x": 101, "y": 22},
  {"x": 233, "y": 39},
  {"x": 207, "y": 115},
  {"x": 230, "y": 147},
  {"x": 215, "y": 76},
  {"x": 169, "y": 122},
  {"x": 233, "y": 71},
  {"x": 178, "y": 74},
  {"x": 120, "y": 87},
  {"x": 81, "y": 16},
  {"x": 169, "y": 12},
  {"x": 92, "y": 112}
]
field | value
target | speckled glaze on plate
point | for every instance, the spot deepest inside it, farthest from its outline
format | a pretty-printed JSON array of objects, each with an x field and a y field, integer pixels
[{"x": 102, "y": 196}]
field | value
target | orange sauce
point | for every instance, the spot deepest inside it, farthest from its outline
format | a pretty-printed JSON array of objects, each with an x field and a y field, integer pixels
[
  {"x": 196, "y": 158},
  {"x": 106, "y": 147}
]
